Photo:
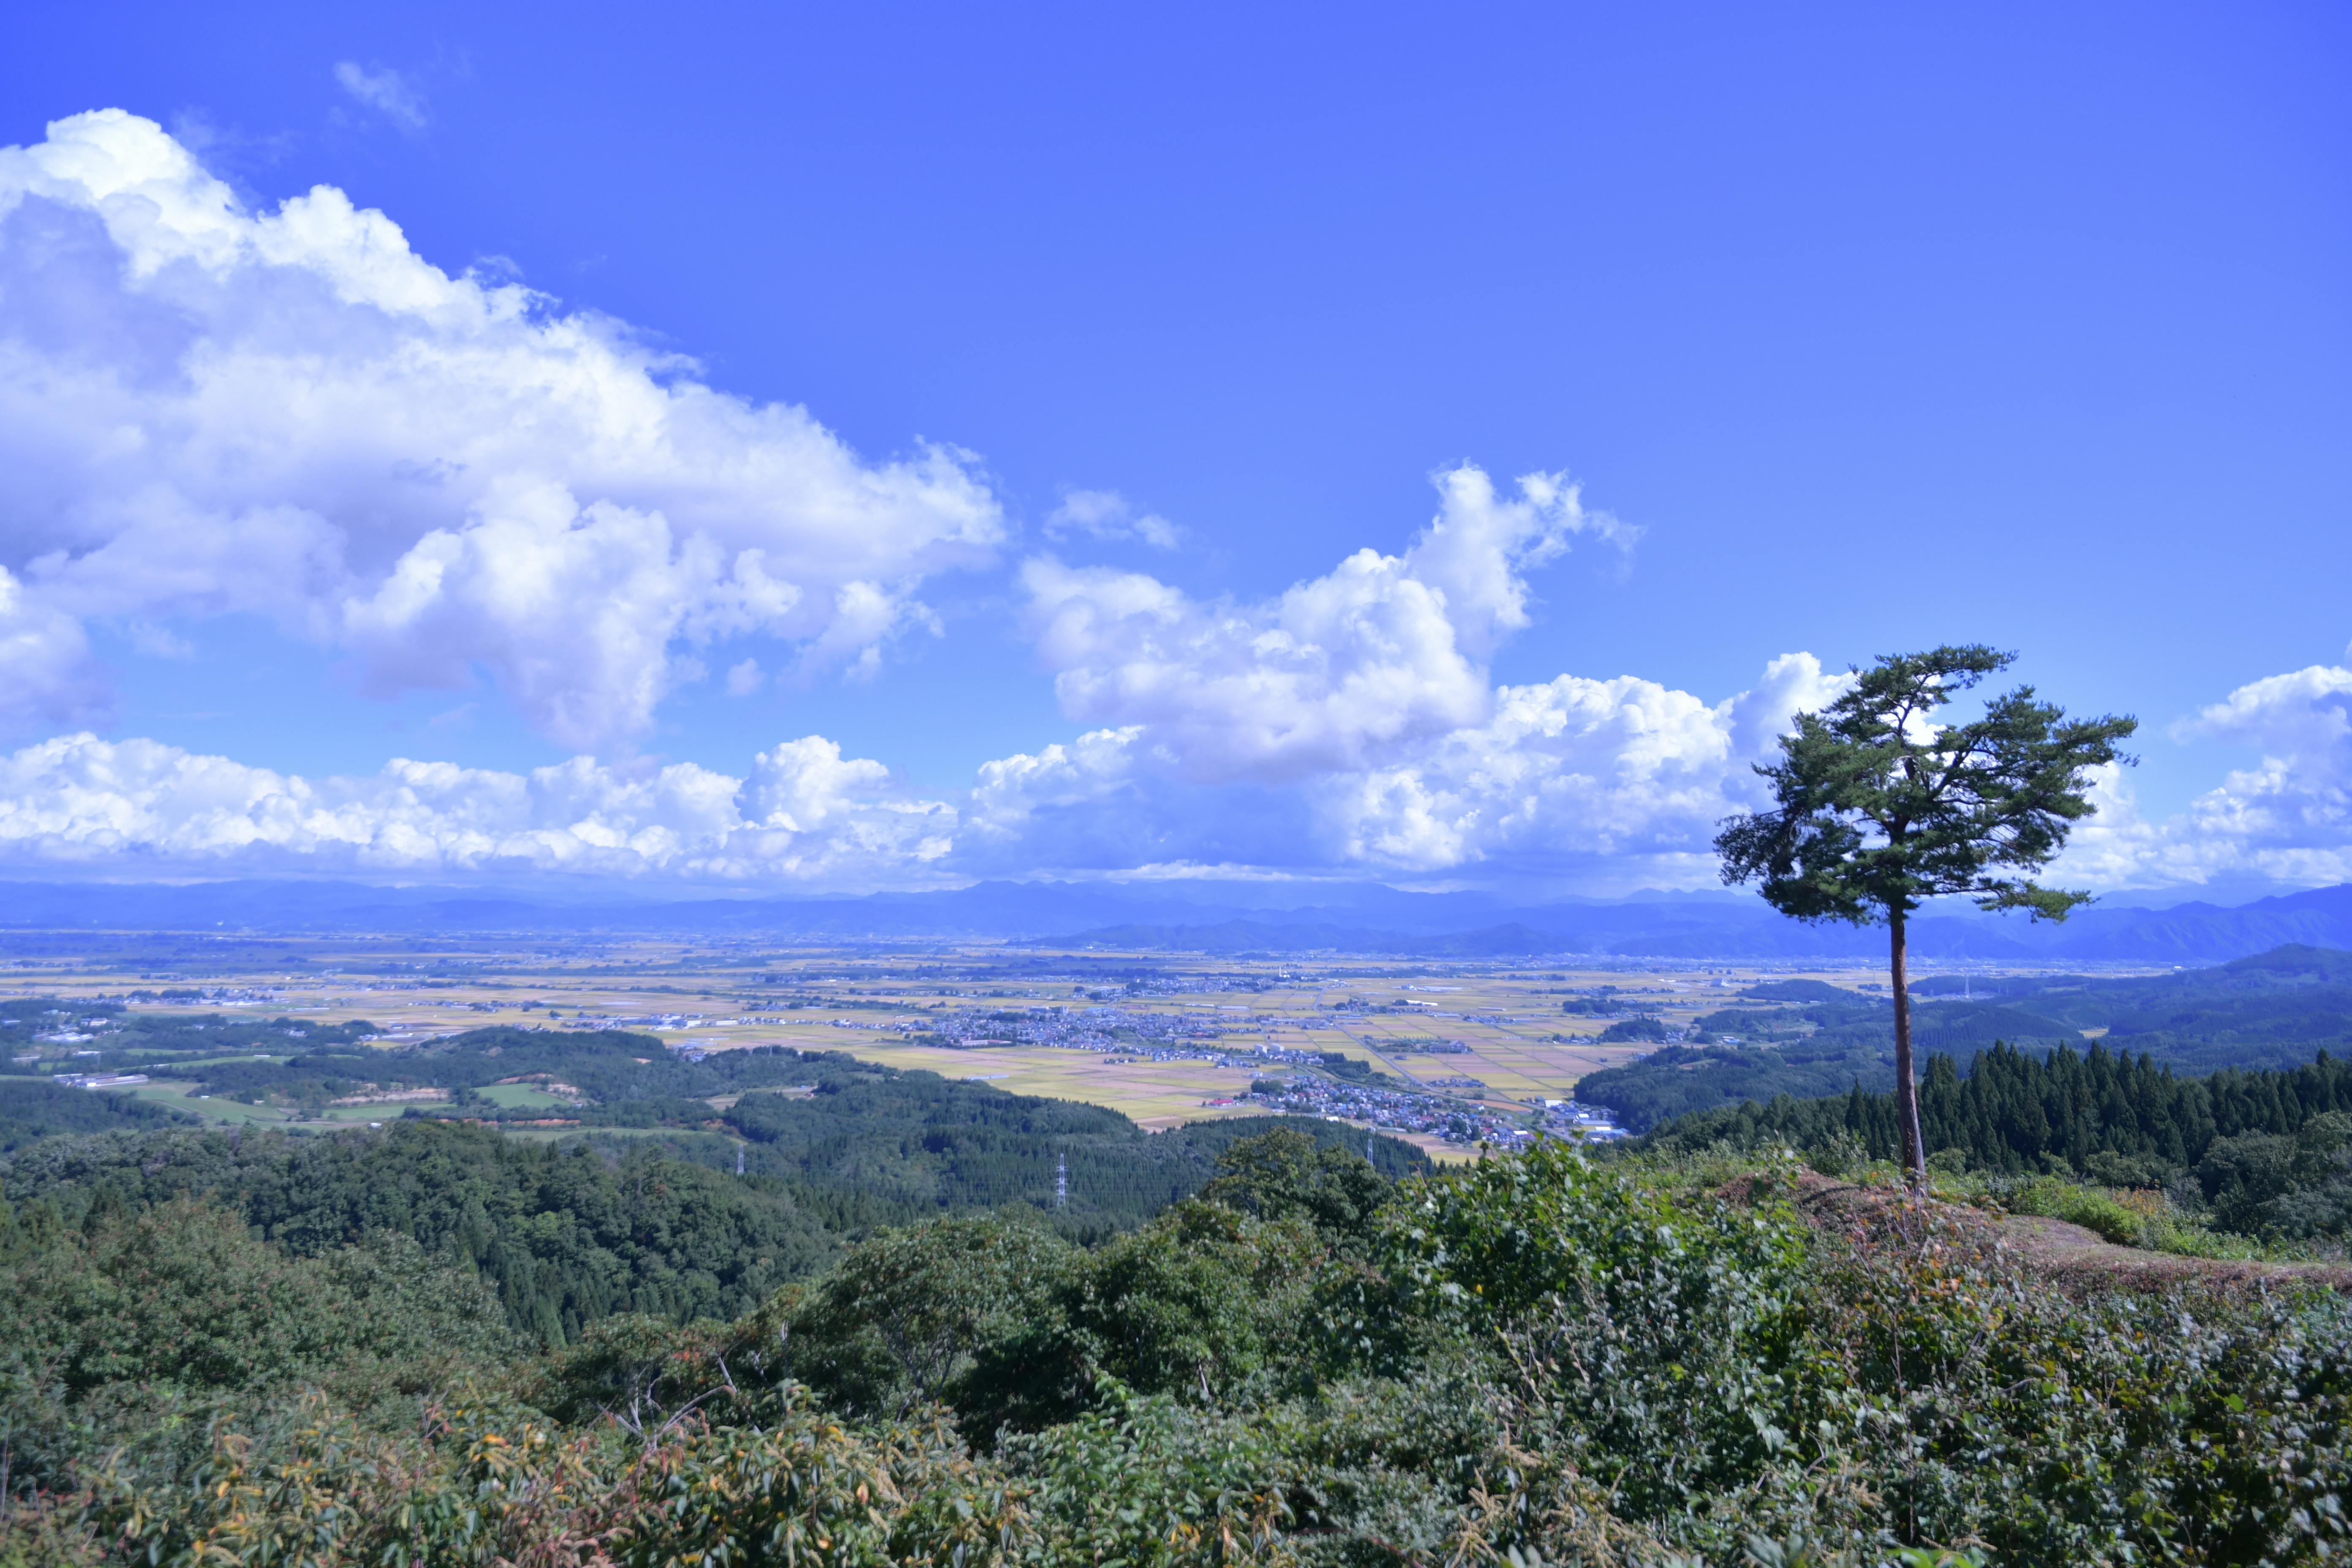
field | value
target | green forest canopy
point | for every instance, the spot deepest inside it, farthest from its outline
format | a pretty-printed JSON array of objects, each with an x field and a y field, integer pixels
[
  {"x": 454, "y": 1341},
  {"x": 2274, "y": 1009},
  {"x": 1536, "y": 1358},
  {"x": 647, "y": 1215}
]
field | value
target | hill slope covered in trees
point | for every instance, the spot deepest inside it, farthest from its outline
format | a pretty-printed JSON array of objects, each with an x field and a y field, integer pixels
[
  {"x": 2273, "y": 1009},
  {"x": 1534, "y": 1358},
  {"x": 647, "y": 1215},
  {"x": 2266, "y": 1152}
]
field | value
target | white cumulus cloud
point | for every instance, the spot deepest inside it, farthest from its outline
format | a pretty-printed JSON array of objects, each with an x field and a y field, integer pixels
[
  {"x": 1595, "y": 786},
  {"x": 205, "y": 409},
  {"x": 1352, "y": 722},
  {"x": 2286, "y": 819},
  {"x": 1335, "y": 674},
  {"x": 45, "y": 657},
  {"x": 805, "y": 814},
  {"x": 1572, "y": 781},
  {"x": 1576, "y": 773}
]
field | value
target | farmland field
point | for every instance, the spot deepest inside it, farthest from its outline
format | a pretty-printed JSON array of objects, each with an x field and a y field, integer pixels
[{"x": 1165, "y": 1038}]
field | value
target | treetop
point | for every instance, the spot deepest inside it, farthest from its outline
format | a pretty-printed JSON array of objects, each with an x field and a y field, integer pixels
[{"x": 1878, "y": 807}]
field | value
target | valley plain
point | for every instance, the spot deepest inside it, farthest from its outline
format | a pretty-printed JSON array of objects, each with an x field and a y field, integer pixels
[{"x": 1165, "y": 1038}]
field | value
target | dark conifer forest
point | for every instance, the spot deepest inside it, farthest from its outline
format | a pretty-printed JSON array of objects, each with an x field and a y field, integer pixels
[{"x": 1808, "y": 1039}]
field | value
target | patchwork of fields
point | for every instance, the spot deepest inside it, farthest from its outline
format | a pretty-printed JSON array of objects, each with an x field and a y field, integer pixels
[{"x": 1174, "y": 1037}]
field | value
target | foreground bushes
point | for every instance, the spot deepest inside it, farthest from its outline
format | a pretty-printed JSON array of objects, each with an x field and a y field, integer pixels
[
  {"x": 1537, "y": 1360},
  {"x": 2265, "y": 1155}
]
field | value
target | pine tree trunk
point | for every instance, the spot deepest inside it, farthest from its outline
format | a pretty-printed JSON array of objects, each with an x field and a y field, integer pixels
[{"x": 1906, "y": 1088}]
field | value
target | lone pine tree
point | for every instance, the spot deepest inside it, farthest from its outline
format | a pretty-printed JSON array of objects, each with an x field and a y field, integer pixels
[{"x": 1879, "y": 807}]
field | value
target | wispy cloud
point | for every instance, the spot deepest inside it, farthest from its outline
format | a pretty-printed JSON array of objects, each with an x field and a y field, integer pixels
[
  {"x": 159, "y": 642},
  {"x": 385, "y": 90},
  {"x": 1107, "y": 514}
]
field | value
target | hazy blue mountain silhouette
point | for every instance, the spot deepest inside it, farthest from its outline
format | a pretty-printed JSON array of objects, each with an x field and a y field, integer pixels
[{"x": 1227, "y": 917}]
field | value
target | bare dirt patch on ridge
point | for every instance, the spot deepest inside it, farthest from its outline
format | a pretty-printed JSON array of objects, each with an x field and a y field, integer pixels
[{"x": 2066, "y": 1254}]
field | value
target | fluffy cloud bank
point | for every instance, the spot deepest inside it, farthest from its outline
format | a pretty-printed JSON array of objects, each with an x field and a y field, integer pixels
[
  {"x": 1597, "y": 785},
  {"x": 805, "y": 814},
  {"x": 1338, "y": 673},
  {"x": 1571, "y": 784},
  {"x": 2286, "y": 819},
  {"x": 1577, "y": 773},
  {"x": 209, "y": 410},
  {"x": 205, "y": 409},
  {"x": 1571, "y": 780},
  {"x": 1351, "y": 721}
]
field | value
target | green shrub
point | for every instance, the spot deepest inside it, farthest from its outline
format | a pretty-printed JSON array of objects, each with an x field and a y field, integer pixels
[
  {"x": 904, "y": 1314},
  {"x": 2141, "y": 1217},
  {"x": 1142, "y": 1481},
  {"x": 1545, "y": 1358},
  {"x": 1649, "y": 1334}
]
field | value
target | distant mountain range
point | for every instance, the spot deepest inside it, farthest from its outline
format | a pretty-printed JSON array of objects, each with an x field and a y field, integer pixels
[
  {"x": 2186, "y": 933},
  {"x": 1510, "y": 939},
  {"x": 1216, "y": 918}
]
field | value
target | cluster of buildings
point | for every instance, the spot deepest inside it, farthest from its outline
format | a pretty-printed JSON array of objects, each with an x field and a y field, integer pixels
[
  {"x": 1587, "y": 1121},
  {"x": 1455, "y": 1120},
  {"x": 1392, "y": 1110},
  {"x": 100, "y": 1079},
  {"x": 1194, "y": 984},
  {"x": 224, "y": 995}
]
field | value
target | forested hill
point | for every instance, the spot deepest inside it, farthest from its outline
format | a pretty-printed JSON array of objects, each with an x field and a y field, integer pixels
[
  {"x": 30, "y": 1110},
  {"x": 1305, "y": 1366},
  {"x": 864, "y": 1144},
  {"x": 2273, "y": 1009},
  {"x": 2269, "y": 1149},
  {"x": 891, "y": 1136},
  {"x": 566, "y": 1235},
  {"x": 635, "y": 1205}
]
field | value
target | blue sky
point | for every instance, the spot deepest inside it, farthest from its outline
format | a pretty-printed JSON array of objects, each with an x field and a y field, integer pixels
[{"x": 1853, "y": 333}]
